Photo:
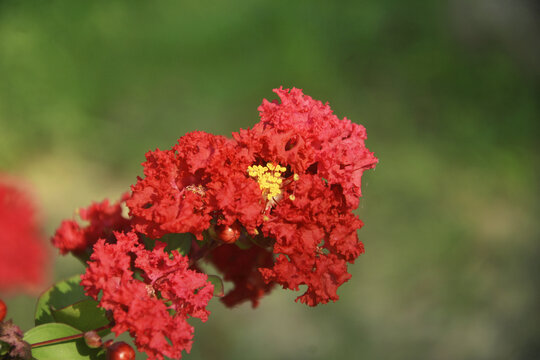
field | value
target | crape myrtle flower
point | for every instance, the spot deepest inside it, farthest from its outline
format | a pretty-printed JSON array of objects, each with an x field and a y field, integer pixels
[
  {"x": 292, "y": 180},
  {"x": 171, "y": 198},
  {"x": 23, "y": 256},
  {"x": 315, "y": 237},
  {"x": 305, "y": 135},
  {"x": 150, "y": 293},
  {"x": 103, "y": 218},
  {"x": 184, "y": 188},
  {"x": 308, "y": 164}
]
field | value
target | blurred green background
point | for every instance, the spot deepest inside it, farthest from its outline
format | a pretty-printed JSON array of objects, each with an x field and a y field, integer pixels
[{"x": 448, "y": 92}]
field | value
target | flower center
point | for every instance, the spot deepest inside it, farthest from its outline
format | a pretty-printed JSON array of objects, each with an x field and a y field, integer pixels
[
  {"x": 272, "y": 183},
  {"x": 269, "y": 178}
]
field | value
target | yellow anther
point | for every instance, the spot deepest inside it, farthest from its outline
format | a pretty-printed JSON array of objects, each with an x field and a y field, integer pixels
[
  {"x": 269, "y": 179},
  {"x": 292, "y": 197},
  {"x": 296, "y": 177},
  {"x": 265, "y": 218}
]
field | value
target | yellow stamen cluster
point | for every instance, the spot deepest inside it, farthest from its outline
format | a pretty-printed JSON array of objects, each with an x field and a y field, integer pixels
[
  {"x": 269, "y": 178},
  {"x": 197, "y": 189}
]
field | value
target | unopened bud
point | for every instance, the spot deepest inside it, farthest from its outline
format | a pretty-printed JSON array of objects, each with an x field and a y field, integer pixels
[
  {"x": 120, "y": 351},
  {"x": 228, "y": 234},
  {"x": 92, "y": 339}
]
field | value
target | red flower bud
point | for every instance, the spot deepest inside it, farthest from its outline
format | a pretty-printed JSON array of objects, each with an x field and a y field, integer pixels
[
  {"x": 3, "y": 310},
  {"x": 228, "y": 234},
  {"x": 120, "y": 351}
]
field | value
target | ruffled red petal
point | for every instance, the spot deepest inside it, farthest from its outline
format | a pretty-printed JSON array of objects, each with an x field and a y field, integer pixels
[
  {"x": 103, "y": 218},
  {"x": 144, "y": 307}
]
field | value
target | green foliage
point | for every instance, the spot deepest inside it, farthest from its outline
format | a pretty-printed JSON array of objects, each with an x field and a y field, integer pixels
[
  {"x": 178, "y": 242},
  {"x": 218, "y": 285},
  {"x": 65, "y": 302},
  {"x": 61, "y": 295},
  {"x": 64, "y": 310},
  {"x": 83, "y": 315}
]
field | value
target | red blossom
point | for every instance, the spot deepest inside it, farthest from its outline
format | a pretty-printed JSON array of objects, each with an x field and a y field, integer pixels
[
  {"x": 23, "y": 257},
  {"x": 322, "y": 275},
  {"x": 335, "y": 146},
  {"x": 153, "y": 310},
  {"x": 200, "y": 178},
  {"x": 315, "y": 237},
  {"x": 172, "y": 197},
  {"x": 103, "y": 219},
  {"x": 308, "y": 164},
  {"x": 294, "y": 179}
]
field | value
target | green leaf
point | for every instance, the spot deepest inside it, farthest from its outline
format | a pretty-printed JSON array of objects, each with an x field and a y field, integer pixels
[
  {"x": 179, "y": 242},
  {"x": 75, "y": 349},
  {"x": 218, "y": 285},
  {"x": 83, "y": 315},
  {"x": 60, "y": 295}
]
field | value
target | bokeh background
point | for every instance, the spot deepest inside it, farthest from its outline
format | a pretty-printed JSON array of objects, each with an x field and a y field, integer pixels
[{"x": 448, "y": 92}]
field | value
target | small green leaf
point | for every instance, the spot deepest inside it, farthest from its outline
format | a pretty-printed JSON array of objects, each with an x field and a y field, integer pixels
[
  {"x": 74, "y": 349},
  {"x": 83, "y": 315},
  {"x": 218, "y": 285},
  {"x": 60, "y": 295},
  {"x": 179, "y": 242}
]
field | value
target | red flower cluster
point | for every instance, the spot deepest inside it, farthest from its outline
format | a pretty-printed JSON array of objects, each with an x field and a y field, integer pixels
[
  {"x": 272, "y": 205},
  {"x": 294, "y": 178},
  {"x": 142, "y": 288},
  {"x": 103, "y": 219},
  {"x": 23, "y": 257},
  {"x": 185, "y": 186}
]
